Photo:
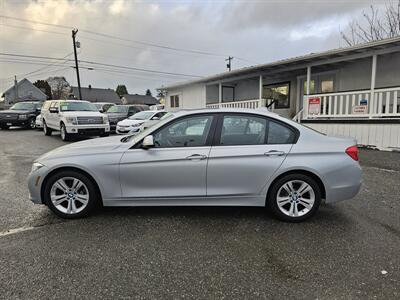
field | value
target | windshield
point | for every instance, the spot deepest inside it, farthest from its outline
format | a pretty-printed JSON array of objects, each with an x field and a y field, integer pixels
[
  {"x": 118, "y": 109},
  {"x": 144, "y": 133},
  {"x": 23, "y": 106},
  {"x": 143, "y": 115},
  {"x": 77, "y": 106}
]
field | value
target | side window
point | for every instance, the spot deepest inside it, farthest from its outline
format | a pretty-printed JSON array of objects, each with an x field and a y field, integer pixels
[
  {"x": 187, "y": 132},
  {"x": 280, "y": 134},
  {"x": 243, "y": 130}
]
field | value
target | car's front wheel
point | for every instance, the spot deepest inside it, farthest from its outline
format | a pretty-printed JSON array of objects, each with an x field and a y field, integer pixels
[
  {"x": 5, "y": 127},
  {"x": 294, "y": 198},
  {"x": 32, "y": 123},
  {"x": 70, "y": 194},
  {"x": 46, "y": 130},
  {"x": 65, "y": 136}
]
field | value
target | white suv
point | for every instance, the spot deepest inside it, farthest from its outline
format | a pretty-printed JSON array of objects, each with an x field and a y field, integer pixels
[{"x": 73, "y": 117}]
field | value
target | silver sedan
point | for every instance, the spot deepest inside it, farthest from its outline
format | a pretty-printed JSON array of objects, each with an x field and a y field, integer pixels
[{"x": 205, "y": 157}]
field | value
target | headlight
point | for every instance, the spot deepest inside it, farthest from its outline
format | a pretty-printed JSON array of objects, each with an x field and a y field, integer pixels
[
  {"x": 71, "y": 120},
  {"x": 22, "y": 117},
  {"x": 36, "y": 166},
  {"x": 136, "y": 125},
  {"x": 105, "y": 119}
]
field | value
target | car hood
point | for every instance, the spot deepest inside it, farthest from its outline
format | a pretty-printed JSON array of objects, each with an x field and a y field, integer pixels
[
  {"x": 10, "y": 111},
  {"x": 82, "y": 113},
  {"x": 129, "y": 122},
  {"x": 88, "y": 147},
  {"x": 117, "y": 115}
]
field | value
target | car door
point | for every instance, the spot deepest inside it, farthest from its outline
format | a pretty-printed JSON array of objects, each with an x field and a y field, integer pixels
[
  {"x": 49, "y": 116},
  {"x": 175, "y": 166},
  {"x": 247, "y": 150}
]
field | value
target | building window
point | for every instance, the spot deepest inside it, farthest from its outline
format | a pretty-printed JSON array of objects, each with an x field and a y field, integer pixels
[
  {"x": 327, "y": 86},
  {"x": 174, "y": 100},
  {"x": 228, "y": 94},
  {"x": 280, "y": 93},
  {"x": 312, "y": 87}
]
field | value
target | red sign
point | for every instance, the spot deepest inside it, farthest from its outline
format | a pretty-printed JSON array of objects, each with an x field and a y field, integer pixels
[{"x": 314, "y": 106}]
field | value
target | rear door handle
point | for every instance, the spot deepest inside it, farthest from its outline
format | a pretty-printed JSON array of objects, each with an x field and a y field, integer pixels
[
  {"x": 196, "y": 157},
  {"x": 274, "y": 153}
]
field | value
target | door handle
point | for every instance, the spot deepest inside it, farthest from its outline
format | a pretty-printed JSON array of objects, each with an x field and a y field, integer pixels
[
  {"x": 274, "y": 153},
  {"x": 196, "y": 157}
]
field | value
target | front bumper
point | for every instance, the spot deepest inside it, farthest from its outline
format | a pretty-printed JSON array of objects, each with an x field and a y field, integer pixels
[
  {"x": 14, "y": 122},
  {"x": 127, "y": 130},
  {"x": 96, "y": 129},
  {"x": 35, "y": 181}
]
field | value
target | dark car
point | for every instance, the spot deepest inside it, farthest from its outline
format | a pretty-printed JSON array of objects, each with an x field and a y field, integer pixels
[
  {"x": 103, "y": 106},
  {"x": 20, "y": 114},
  {"x": 118, "y": 113}
]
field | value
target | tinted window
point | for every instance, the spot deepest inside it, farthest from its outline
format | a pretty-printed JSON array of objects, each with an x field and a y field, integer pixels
[
  {"x": 77, "y": 106},
  {"x": 243, "y": 130},
  {"x": 24, "y": 106},
  {"x": 280, "y": 134},
  {"x": 187, "y": 132}
]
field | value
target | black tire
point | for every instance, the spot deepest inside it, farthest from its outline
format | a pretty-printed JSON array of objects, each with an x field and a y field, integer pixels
[
  {"x": 5, "y": 127},
  {"x": 47, "y": 131},
  {"x": 294, "y": 179},
  {"x": 31, "y": 123},
  {"x": 105, "y": 134},
  {"x": 65, "y": 136},
  {"x": 93, "y": 201}
]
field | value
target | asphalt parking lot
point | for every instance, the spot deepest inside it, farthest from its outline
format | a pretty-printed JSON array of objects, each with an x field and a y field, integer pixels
[{"x": 349, "y": 250}]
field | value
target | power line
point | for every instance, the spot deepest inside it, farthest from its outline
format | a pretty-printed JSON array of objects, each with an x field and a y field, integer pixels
[
  {"x": 103, "y": 64},
  {"x": 125, "y": 39}
]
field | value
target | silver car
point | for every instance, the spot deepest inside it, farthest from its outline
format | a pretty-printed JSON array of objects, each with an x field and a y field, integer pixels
[{"x": 204, "y": 157}]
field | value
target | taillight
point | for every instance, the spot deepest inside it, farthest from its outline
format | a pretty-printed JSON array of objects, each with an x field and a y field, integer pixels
[{"x": 352, "y": 152}]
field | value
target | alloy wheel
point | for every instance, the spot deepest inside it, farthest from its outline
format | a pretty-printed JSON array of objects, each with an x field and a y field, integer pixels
[
  {"x": 32, "y": 123},
  {"x": 295, "y": 198},
  {"x": 69, "y": 195}
]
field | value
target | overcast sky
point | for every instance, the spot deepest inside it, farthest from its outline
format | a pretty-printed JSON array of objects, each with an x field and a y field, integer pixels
[{"x": 251, "y": 31}]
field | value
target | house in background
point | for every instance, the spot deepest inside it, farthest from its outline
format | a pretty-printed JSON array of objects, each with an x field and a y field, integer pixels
[
  {"x": 95, "y": 94},
  {"x": 23, "y": 90},
  {"x": 139, "y": 99},
  {"x": 352, "y": 91}
]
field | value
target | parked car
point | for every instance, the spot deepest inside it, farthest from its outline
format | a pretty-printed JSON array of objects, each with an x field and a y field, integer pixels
[
  {"x": 74, "y": 117},
  {"x": 39, "y": 122},
  {"x": 20, "y": 114},
  {"x": 103, "y": 106},
  {"x": 222, "y": 157},
  {"x": 157, "y": 107},
  {"x": 139, "y": 121},
  {"x": 120, "y": 112}
]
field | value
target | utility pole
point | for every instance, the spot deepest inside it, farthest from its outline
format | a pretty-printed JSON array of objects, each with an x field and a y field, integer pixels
[
  {"x": 74, "y": 32},
  {"x": 229, "y": 65}
]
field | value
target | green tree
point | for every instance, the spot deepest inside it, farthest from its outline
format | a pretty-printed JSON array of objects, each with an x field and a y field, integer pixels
[
  {"x": 44, "y": 87},
  {"x": 148, "y": 93},
  {"x": 121, "y": 90}
]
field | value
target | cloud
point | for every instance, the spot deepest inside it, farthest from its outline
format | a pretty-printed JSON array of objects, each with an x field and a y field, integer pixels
[{"x": 259, "y": 31}]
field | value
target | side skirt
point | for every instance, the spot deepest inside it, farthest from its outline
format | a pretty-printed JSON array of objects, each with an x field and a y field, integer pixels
[{"x": 189, "y": 201}]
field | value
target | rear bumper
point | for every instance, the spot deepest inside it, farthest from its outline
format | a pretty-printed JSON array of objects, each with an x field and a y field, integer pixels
[{"x": 344, "y": 184}]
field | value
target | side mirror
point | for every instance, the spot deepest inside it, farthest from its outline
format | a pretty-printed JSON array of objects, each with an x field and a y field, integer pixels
[
  {"x": 148, "y": 142},
  {"x": 53, "y": 110},
  {"x": 155, "y": 118}
]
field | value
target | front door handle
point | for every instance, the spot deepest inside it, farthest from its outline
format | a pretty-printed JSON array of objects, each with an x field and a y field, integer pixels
[
  {"x": 274, "y": 153},
  {"x": 196, "y": 157}
]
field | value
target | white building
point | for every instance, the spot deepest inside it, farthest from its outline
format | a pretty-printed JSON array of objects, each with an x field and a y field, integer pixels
[{"x": 352, "y": 91}]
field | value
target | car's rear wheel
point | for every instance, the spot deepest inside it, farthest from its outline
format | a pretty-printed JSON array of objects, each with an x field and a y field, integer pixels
[
  {"x": 70, "y": 194},
  {"x": 65, "y": 136},
  {"x": 294, "y": 198},
  {"x": 46, "y": 130}
]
